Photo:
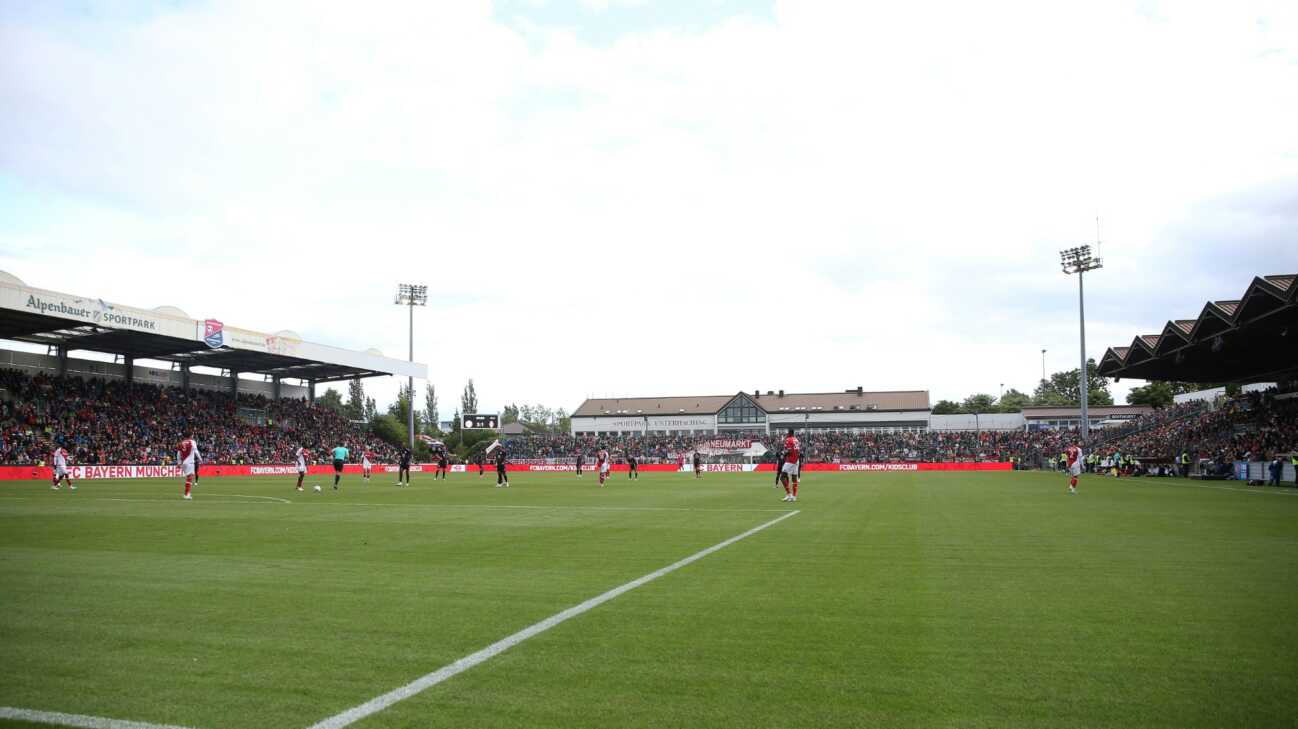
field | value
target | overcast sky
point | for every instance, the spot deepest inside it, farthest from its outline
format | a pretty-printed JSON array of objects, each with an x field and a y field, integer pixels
[{"x": 640, "y": 198}]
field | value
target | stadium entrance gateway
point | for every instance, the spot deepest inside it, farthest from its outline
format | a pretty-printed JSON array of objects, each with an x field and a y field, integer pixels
[{"x": 754, "y": 414}]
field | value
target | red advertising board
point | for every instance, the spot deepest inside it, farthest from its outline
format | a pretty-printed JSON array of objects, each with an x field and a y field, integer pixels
[{"x": 24, "y": 473}]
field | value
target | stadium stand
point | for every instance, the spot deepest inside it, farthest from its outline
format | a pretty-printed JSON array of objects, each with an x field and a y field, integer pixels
[{"x": 116, "y": 422}]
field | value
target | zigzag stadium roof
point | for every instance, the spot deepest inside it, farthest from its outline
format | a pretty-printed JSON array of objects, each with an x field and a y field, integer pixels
[
  {"x": 39, "y": 316},
  {"x": 1250, "y": 339}
]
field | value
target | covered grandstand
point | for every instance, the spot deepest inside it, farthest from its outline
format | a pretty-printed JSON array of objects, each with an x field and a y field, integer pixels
[
  {"x": 1250, "y": 339},
  {"x": 64, "y": 323}
]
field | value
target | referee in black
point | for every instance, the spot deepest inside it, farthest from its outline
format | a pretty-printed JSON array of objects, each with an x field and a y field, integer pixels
[
  {"x": 403, "y": 466},
  {"x": 779, "y": 460},
  {"x": 502, "y": 476},
  {"x": 633, "y": 465}
]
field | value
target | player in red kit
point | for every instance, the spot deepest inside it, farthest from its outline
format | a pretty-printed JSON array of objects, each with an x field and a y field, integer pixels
[
  {"x": 187, "y": 457},
  {"x": 791, "y": 469},
  {"x": 602, "y": 464},
  {"x": 1073, "y": 459},
  {"x": 301, "y": 455}
]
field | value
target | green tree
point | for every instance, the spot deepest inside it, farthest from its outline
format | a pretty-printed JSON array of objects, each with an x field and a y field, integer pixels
[
  {"x": 1062, "y": 390},
  {"x": 371, "y": 410},
  {"x": 979, "y": 403},
  {"x": 1155, "y": 394},
  {"x": 1013, "y": 401},
  {"x": 563, "y": 421},
  {"x": 401, "y": 410},
  {"x": 946, "y": 407},
  {"x": 510, "y": 415},
  {"x": 331, "y": 400},
  {"x": 389, "y": 430},
  {"x": 469, "y": 400},
  {"x": 355, "y": 408},
  {"x": 430, "y": 410}
]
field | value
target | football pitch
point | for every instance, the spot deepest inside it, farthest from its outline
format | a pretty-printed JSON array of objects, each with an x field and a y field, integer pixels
[{"x": 887, "y": 600}]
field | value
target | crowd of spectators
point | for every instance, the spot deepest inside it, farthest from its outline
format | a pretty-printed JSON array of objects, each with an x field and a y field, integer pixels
[
  {"x": 112, "y": 421},
  {"x": 101, "y": 421},
  {"x": 820, "y": 446},
  {"x": 1254, "y": 426}
]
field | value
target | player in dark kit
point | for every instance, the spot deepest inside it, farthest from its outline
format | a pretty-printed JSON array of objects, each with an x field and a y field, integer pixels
[
  {"x": 581, "y": 461},
  {"x": 481, "y": 460},
  {"x": 779, "y": 458},
  {"x": 403, "y": 468},
  {"x": 443, "y": 465},
  {"x": 502, "y": 475},
  {"x": 698, "y": 465},
  {"x": 633, "y": 465}
]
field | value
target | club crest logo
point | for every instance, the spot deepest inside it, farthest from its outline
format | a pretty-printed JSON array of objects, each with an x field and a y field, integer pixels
[{"x": 213, "y": 333}]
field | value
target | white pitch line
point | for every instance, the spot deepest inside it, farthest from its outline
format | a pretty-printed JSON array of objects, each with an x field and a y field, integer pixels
[
  {"x": 77, "y": 720},
  {"x": 272, "y": 498},
  {"x": 427, "y": 681},
  {"x": 557, "y": 507},
  {"x": 179, "y": 500}
]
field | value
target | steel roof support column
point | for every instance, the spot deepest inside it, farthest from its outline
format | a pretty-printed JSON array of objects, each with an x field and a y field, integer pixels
[
  {"x": 184, "y": 376},
  {"x": 234, "y": 383},
  {"x": 275, "y": 387},
  {"x": 62, "y": 354},
  {"x": 310, "y": 391},
  {"x": 129, "y": 360}
]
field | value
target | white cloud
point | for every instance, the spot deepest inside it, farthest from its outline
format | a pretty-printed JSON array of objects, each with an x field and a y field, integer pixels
[{"x": 888, "y": 185}]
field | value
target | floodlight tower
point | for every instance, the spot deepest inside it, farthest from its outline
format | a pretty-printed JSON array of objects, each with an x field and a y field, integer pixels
[
  {"x": 1079, "y": 260},
  {"x": 411, "y": 295}
]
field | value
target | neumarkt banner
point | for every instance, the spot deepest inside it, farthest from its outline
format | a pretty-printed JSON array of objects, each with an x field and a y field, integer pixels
[{"x": 93, "y": 311}]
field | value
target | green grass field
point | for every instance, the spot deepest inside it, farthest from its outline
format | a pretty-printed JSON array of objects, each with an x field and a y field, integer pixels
[{"x": 890, "y": 600}]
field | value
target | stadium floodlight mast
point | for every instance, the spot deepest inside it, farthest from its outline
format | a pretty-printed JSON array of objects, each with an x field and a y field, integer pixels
[
  {"x": 1079, "y": 260},
  {"x": 411, "y": 295}
]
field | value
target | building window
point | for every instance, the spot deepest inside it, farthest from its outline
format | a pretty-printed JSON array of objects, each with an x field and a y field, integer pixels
[{"x": 741, "y": 410}]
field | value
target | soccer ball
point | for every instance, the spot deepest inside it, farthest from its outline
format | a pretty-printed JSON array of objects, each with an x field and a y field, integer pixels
[{"x": 317, "y": 488}]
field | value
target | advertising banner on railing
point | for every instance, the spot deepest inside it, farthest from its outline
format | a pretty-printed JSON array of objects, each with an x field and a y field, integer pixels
[{"x": 26, "y": 473}]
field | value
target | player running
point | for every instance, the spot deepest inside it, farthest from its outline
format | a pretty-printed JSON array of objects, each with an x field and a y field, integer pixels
[
  {"x": 61, "y": 473},
  {"x": 791, "y": 469},
  {"x": 403, "y": 467},
  {"x": 633, "y": 464},
  {"x": 187, "y": 457},
  {"x": 365, "y": 466},
  {"x": 602, "y": 464},
  {"x": 340, "y": 458},
  {"x": 1073, "y": 456},
  {"x": 301, "y": 454},
  {"x": 502, "y": 473}
]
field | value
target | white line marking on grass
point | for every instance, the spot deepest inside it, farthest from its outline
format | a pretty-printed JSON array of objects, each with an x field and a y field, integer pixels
[
  {"x": 77, "y": 720},
  {"x": 272, "y": 498},
  {"x": 427, "y": 681},
  {"x": 557, "y": 507},
  {"x": 179, "y": 500}
]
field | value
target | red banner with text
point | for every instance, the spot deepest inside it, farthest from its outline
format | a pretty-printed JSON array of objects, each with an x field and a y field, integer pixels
[{"x": 45, "y": 473}]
